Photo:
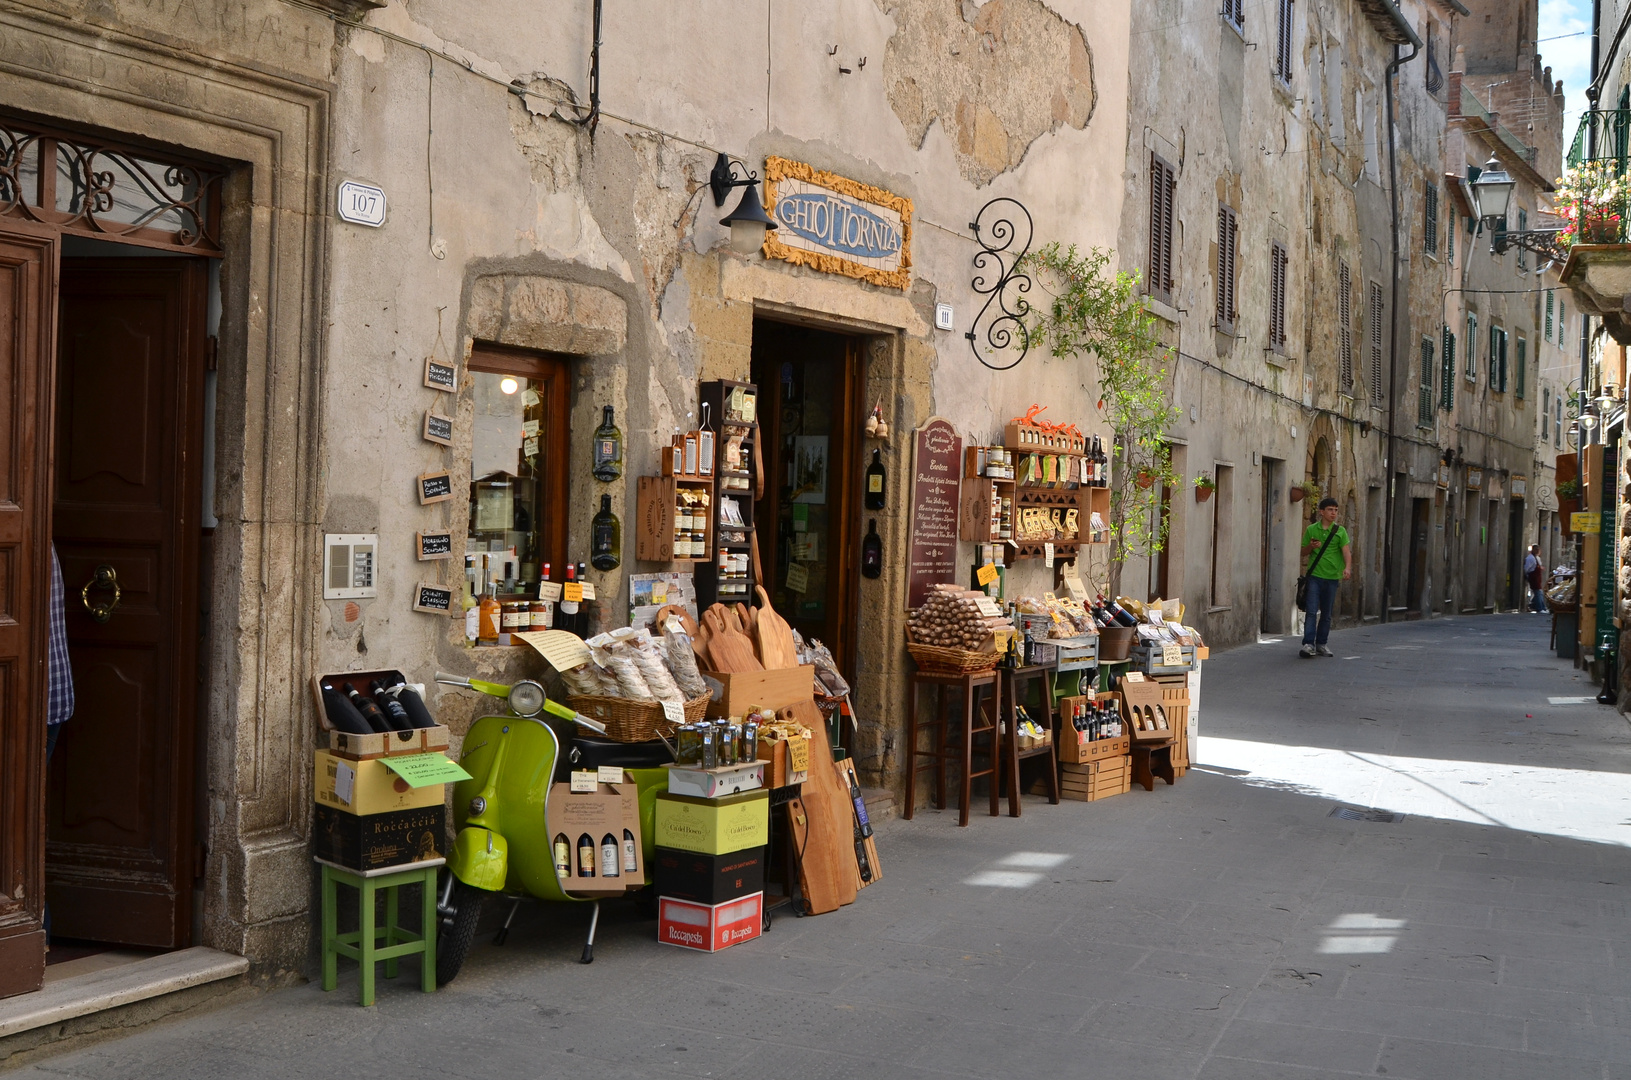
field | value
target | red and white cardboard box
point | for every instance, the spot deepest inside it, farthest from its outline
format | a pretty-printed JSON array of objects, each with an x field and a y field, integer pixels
[{"x": 710, "y": 927}]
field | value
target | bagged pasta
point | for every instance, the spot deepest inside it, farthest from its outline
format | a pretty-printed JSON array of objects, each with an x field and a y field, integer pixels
[{"x": 682, "y": 661}]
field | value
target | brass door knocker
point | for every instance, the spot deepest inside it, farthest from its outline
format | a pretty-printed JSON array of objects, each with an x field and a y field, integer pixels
[{"x": 103, "y": 578}]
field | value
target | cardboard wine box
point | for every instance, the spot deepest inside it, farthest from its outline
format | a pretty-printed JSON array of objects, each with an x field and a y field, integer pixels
[
  {"x": 374, "y": 841},
  {"x": 611, "y": 809},
  {"x": 707, "y": 879},
  {"x": 710, "y": 927},
  {"x": 367, "y": 787},
  {"x": 713, "y": 826}
]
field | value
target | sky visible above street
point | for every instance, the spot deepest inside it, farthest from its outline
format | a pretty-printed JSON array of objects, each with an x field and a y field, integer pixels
[{"x": 1564, "y": 42}]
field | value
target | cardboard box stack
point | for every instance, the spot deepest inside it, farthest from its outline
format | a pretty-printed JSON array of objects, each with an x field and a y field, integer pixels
[
  {"x": 379, "y": 799},
  {"x": 709, "y": 868}
]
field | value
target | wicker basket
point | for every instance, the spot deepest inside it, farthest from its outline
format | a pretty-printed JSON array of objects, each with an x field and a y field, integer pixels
[
  {"x": 951, "y": 661},
  {"x": 632, "y": 721}
]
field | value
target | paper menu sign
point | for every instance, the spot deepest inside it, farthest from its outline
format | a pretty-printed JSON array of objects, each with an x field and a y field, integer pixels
[
  {"x": 797, "y": 578},
  {"x": 988, "y": 607},
  {"x": 1073, "y": 583},
  {"x": 1047, "y": 554},
  {"x": 563, "y": 649},
  {"x": 423, "y": 770},
  {"x": 345, "y": 781},
  {"x": 986, "y": 574},
  {"x": 1172, "y": 655}
]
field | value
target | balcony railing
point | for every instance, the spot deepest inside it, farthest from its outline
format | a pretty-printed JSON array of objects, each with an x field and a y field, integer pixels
[{"x": 1603, "y": 135}]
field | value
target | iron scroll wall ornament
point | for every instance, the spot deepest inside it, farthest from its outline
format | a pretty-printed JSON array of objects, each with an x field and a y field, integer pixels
[{"x": 1003, "y": 313}]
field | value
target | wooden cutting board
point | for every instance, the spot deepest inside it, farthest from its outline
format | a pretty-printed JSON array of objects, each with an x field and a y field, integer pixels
[
  {"x": 729, "y": 648},
  {"x": 749, "y": 619},
  {"x": 775, "y": 636},
  {"x": 827, "y": 869},
  {"x": 678, "y": 612}
]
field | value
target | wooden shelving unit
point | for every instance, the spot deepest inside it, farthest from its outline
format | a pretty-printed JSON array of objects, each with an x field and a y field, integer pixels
[
  {"x": 717, "y": 396},
  {"x": 974, "y": 515},
  {"x": 657, "y": 503}
]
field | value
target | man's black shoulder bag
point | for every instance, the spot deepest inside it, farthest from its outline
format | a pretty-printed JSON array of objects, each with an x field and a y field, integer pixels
[{"x": 1302, "y": 579}]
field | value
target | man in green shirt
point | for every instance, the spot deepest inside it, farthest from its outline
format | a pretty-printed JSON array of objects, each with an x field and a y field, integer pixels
[{"x": 1327, "y": 572}]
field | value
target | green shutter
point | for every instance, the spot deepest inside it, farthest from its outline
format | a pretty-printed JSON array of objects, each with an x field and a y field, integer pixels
[
  {"x": 1523, "y": 349},
  {"x": 1447, "y": 363}
]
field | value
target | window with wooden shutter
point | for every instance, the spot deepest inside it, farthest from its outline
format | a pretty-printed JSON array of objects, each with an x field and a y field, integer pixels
[
  {"x": 1284, "y": 46},
  {"x": 1550, "y": 299},
  {"x": 1345, "y": 356},
  {"x": 1446, "y": 399},
  {"x": 1545, "y": 413},
  {"x": 1234, "y": 13},
  {"x": 1277, "y": 296},
  {"x": 1523, "y": 223},
  {"x": 1497, "y": 359},
  {"x": 1429, "y": 231},
  {"x": 1163, "y": 194},
  {"x": 1424, "y": 393},
  {"x": 1375, "y": 342},
  {"x": 1228, "y": 243},
  {"x": 1472, "y": 348},
  {"x": 1557, "y": 421},
  {"x": 1562, "y": 322},
  {"x": 1519, "y": 366}
]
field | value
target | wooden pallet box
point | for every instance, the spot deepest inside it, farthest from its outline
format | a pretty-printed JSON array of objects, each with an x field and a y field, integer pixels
[{"x": 1096, "y": 780}]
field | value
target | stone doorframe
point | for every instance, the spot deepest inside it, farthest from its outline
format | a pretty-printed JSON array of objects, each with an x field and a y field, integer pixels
[{"x": 150, "y": 84}]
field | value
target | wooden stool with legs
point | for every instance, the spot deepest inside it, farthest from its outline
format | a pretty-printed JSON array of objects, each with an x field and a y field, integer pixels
[{"x": 952, "y": 735}]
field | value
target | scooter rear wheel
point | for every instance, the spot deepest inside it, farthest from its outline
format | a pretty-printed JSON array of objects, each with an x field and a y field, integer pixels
[{"x": 457, "y": 930}]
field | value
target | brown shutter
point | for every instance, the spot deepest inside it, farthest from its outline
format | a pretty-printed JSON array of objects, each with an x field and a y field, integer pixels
[
  {"x": 1345, "y": 318},
  {"x": 1163, "y": 185},
  {"x": 1228, "y": 240},
  {"x": 1277, "y": 296},
  {"x": 1376, "y": 341},
  {"x": 1168, "y": 218}
]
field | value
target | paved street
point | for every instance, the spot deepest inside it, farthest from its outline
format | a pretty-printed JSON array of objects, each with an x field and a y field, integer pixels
[{"x": 1228, "y": 927}]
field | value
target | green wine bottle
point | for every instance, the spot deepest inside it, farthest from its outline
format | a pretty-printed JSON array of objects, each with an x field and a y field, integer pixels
[
  {"x": 605, "y": 538},
  {"x": 608, "y": 449}
]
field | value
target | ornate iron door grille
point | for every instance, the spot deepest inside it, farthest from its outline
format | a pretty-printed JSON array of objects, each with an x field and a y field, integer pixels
[{"x": 96, "y": 188}]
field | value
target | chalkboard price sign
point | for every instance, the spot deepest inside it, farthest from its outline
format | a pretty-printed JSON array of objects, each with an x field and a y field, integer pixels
[
  {"x": 438, "y": 429},
  {"x": 436, "y": 545},
  {"x": 441, "y": 376},
  {"x": 435, "y": 487},
  {"x": 435, "y": 599}
]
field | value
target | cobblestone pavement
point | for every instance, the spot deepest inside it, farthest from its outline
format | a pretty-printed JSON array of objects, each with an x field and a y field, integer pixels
[{"x": 1225, "y": 927}]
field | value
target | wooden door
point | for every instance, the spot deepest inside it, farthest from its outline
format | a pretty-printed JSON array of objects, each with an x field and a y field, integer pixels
[
  {"x": 126, "y": 491},
  {"x": 28, "y": 270}
]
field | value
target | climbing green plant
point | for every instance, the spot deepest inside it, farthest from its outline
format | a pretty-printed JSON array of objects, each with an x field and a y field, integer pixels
[{"x": 1090, "y": 310}]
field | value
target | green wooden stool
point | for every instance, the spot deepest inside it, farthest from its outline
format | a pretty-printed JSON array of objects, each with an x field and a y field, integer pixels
[{"x": 364, "y": 945}]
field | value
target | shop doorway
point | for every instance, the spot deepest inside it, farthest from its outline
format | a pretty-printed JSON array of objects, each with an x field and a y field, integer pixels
[
  {"x": 125, "y": 522},
  {"x": 1420, "y": 513},
  {"x": 1512, "y": 558},
  {"x": 809, "y": 523},
  {"x": 1271, "y": 617}
]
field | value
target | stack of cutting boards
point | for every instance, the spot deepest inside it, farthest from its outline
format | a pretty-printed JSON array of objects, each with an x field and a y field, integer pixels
[{"x": 741, "y": 638}]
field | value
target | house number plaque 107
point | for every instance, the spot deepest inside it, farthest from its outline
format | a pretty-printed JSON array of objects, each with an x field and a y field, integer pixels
[{"x": 362, "y": 204}]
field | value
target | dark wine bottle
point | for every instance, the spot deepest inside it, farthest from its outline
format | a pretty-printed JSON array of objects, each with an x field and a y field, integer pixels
[
  {"x": 862, "y": 821},
  {"x": 611, "y": 857},
  {"x": 871, "y": 551},
  {"x": 608, "y": 449},
  {"x": 342, "y": 714},
  {"x": 370, "y": 712},
  {"x": 396, "y": 714},
  {"x": 630, "y": 863},
  {"x": 586, "y": 856},
  {"x": 583, "y": 610},
  {"x": 418, "y": 713},
  {"x": 605, "y": 538},
  {"x": 875, "y": 481}
]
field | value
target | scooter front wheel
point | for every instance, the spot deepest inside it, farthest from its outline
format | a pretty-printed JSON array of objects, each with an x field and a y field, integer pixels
[{"x": 457, "y": 929}]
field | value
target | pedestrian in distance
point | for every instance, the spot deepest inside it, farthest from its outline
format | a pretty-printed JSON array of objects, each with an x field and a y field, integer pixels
[
  {"x": 1534, "y": 575},
  {"x": 1325, "y": 544}
]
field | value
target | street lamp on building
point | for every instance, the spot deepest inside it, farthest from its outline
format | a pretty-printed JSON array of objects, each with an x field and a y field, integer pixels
[
  {"x": 1492, "y": 194},
  {"x": 748, "y": 221}
]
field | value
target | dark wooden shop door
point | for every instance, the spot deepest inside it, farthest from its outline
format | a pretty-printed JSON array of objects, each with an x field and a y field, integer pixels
[
  {"x": 119, "y": 848},
  {"x": 28, "y": 270}
]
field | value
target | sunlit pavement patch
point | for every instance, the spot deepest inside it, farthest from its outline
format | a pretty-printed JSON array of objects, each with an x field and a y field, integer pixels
[
  {"x": 1022, "y": 870},
  {"x": 1356, "y": 934},
  {"x": 1581, "y": 803}
]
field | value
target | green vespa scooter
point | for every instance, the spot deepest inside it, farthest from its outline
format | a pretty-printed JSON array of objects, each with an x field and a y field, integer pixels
[{"x": 502, "y": 811}]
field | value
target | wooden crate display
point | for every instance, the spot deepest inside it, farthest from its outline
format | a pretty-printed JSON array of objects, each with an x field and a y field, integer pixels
[
  {"x": 1096, "y": 780},
  {"x": 657, "y": 502},
  {"x": 1074, "y": 752}
]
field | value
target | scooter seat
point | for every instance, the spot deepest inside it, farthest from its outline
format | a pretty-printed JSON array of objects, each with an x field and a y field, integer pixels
[{"x": 591, "y": 753}]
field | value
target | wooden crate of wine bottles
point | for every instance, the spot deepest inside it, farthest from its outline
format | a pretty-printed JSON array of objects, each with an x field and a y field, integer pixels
[{"x": 382, "y": 744}]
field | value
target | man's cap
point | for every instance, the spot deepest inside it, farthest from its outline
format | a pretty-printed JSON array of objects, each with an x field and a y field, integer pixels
[{"x": 1327, "y": 501}]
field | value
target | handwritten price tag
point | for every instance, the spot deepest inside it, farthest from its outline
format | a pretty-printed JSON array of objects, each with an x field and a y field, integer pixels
[
  {"x": 572, "y": 592},
  {"x": 986, "y": 574},
  {"x": 1172, "y": 656}
]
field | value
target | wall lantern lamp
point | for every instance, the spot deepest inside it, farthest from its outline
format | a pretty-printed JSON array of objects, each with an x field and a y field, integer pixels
[
  {"x": 1588, "y": 418},
  {"x": 1492, "y": 194},
  {"x": 748, "y": 221}
]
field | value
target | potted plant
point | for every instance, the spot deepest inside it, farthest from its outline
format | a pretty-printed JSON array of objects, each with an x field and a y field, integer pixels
[
  {"x": 1305, "y": 489},
  {"x": 1145, "y": 478},
  {"x": 1204, "y": 486},
  {"x": 1590, "y": 199}
]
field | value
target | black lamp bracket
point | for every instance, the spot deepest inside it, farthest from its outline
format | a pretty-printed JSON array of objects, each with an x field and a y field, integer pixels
[
  {"x": 723, "y": 178},
  {"x": 1542, "y": 242}
]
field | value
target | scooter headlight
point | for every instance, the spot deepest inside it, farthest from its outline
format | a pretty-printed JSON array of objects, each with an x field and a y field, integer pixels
[{"x": 527, "y": 698}]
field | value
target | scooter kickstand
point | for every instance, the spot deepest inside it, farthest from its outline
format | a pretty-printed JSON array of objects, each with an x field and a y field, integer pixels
[
  {"x": 504, "y": 931},
  {"x": 589, "y": 946}
]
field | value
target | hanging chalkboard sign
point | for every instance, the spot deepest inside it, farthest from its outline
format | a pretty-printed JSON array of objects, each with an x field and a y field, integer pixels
[
  {"x": 435, "y": 487},
  {"x": 435, "y": 599},
  {"x": 438, "y": 429},
  {"x": 441, "y": 376},
  {"x": 434, "y": 545},
  {"x": 937, "y": 454}
]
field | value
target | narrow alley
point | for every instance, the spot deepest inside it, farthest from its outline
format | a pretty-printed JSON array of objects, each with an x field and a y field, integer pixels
[{"x": 1234, "y": 925}]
